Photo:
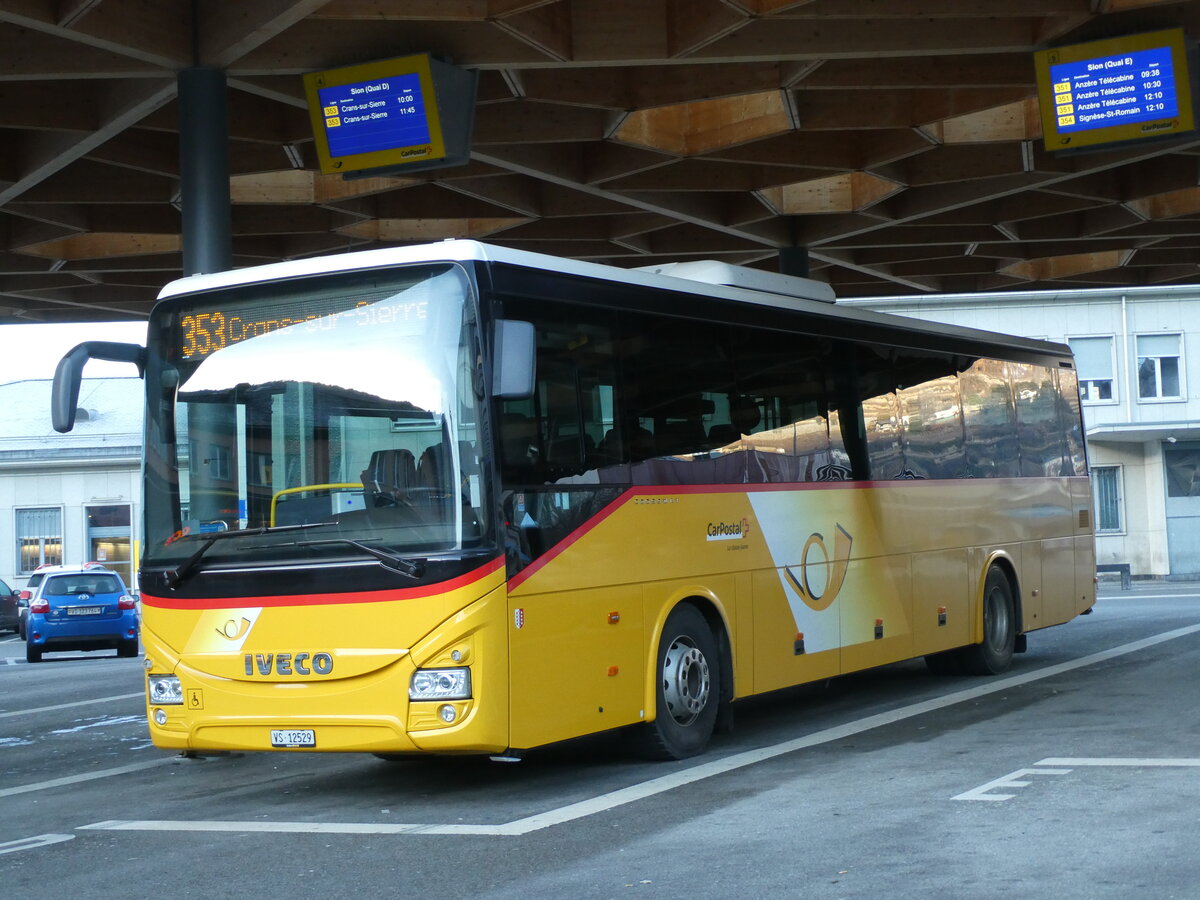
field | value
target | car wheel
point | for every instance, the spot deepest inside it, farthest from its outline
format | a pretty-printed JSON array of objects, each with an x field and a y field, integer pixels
[
  {"x": 128, "y": 648},
  {"x": 33, "y": 654}
]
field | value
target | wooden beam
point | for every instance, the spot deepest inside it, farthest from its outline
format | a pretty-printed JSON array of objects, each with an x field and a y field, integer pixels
[
  {"x": 546, "y": 27},
  {"x": 692, "y": 24},
  {"x": 99, "y": 244},
  {"x": 693, "y": 128},
  {"x": 152, "y": 33},
  {"x": 147, "y": 98},
  {"x": 1057, "y": 267},
  {"x": 850, "y": 192},
  {"x": 429, "y": 229}
]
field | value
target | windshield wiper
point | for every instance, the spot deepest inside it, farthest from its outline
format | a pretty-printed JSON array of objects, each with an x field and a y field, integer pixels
[
  {"x": 174, "y": 577},
  {"x": 413, "y": 568}
]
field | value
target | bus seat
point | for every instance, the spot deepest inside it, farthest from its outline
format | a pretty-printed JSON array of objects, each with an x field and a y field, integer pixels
[
  {"x": 680, "y": 437},
  {"x": 388, "y": 476},
  {"x": 434, "y": 465}
]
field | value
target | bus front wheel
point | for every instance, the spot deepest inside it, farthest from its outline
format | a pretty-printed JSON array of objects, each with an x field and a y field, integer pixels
[{"x": 688, "y": 688}]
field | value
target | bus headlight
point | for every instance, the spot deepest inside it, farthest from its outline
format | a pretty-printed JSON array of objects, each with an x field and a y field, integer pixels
[
  {"x": 440, "y": 684},
  {"x": 165, "y": 690}
]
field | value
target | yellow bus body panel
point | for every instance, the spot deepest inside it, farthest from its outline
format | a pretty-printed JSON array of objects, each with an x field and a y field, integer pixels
[
  {"x": 235, "y": 692},
  {"x": 803, "y": 583},
  {"x": 808, "y": 583}
]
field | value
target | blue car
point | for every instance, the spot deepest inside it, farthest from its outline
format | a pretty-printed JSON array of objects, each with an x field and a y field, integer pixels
[{"x": 81, "y": 608}]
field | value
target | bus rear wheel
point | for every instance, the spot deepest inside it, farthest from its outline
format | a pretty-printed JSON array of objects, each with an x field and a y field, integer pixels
[
  {"x": 994, "y": 653},
  {"x": 688, "y": 688}
]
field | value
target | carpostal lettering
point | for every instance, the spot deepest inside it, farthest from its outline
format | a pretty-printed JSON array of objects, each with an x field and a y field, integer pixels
[
  {"x": 289, "y": 663},
  {"x": 728, "y": 531}
]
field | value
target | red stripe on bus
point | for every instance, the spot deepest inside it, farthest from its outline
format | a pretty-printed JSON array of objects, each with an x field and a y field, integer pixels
[{"x": 425, "y": 590}]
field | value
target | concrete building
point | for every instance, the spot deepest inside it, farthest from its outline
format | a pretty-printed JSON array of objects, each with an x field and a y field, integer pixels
[
  {"x": 1137, "y": 351},
  {"x": 70, "y": 498}
]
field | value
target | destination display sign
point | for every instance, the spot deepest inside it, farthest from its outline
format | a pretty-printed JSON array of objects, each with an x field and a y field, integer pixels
[
  {"x": 380, "y": 114},
  {"x": 1116, "y": 90},
  {"x": 377, "y": 115}
]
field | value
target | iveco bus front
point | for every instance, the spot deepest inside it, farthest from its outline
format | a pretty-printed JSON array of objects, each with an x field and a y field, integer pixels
[{"x": 320, "y": 566}]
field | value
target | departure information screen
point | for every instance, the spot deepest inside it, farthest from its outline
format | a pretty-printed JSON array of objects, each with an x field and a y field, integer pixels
[
  {"x": 1133, "y": 87},
  {"x": 381, "y": 114},
  {"x": 1114, "y": 91}
]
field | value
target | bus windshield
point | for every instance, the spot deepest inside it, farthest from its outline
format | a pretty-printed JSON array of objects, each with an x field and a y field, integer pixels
[{"x": 324, "y": 418}]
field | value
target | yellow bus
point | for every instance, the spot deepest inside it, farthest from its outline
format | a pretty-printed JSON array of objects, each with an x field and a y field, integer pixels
[{"x": 458, "y": 498}]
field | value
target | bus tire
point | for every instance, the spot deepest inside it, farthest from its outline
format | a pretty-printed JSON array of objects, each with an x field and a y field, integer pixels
[
  {"x": 687, "y": 689},
  {"x": 994, "y": 653}
]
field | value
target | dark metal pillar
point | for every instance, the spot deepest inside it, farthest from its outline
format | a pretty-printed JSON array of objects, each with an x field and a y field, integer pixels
[
  {"x": 793, "y": 261},
  {"x": 204, "y": 171}
]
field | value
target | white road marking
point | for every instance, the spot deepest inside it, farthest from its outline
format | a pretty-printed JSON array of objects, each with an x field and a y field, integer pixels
[
  {"x": 633, "y": 793},
  {"x": 983, "y": 792},
  {"x": 31, "y": 843},
  {"x": 42, "y": 709},
  {"x": 1011, "y": 780},
  {"x": 86, "y": 776},
  {"x": 1138, "y": 762},
  {"x": 102, "y": 722}
]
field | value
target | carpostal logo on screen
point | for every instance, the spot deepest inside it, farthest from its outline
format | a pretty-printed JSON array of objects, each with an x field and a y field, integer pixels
[{"x": 728, "y": 531}]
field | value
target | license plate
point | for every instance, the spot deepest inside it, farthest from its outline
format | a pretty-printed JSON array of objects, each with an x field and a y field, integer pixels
[
  {"x": 83, "y": 610},
  {"x": 295, "y": 737}
]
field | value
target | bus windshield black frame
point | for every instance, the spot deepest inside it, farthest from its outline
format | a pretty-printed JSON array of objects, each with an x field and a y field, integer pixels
[{"x": 348, "y": 404}]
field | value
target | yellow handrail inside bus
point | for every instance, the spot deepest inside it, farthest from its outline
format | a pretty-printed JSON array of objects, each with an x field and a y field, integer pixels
[{"x": 309, "y": 487}]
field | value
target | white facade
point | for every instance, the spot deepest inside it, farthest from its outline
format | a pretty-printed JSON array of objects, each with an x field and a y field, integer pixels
[
  {"x": 1138, "y": 356},
  {"x": 70, "y": 498}
]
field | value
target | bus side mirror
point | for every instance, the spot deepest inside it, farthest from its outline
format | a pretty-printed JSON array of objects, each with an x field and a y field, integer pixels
[
  {"x": 64, "y": 399},
  {"x": 514, "y": 353}
]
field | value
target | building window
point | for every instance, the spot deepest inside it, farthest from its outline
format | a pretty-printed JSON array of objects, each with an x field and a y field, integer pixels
[
  {"x": 1183, "y": 471},
  {"x": 218, "y": 462},
  {"x": 1094, "y": 363},
  {"x": 1106, "y": 481},
  {"x": 1158, "y": 367},
  {"x": 39, "y": 538}
]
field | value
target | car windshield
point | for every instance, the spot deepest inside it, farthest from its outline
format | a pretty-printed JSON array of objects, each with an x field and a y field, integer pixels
[{"x": 315, "y": 415}]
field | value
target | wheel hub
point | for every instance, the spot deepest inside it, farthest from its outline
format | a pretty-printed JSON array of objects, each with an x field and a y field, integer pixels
[{"x": 686, "y": 682}]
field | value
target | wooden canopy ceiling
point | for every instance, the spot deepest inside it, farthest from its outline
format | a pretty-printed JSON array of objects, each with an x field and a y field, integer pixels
[{"x": 898, "y": 140}]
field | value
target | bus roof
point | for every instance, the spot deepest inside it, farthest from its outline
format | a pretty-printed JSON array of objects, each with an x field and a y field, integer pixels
[{"x": 702, "y": 278}]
